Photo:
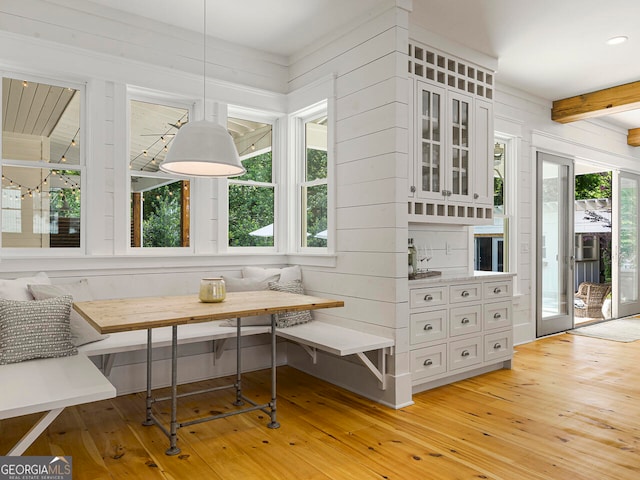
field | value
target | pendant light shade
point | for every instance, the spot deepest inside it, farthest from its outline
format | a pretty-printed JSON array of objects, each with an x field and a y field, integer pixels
[{"x": 203, "y": 149}]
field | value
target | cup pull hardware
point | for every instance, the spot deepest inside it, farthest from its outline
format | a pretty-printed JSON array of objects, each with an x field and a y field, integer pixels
[
  {"x": 465, "y": 353},
  {"x": 465, "y": 321},
  {"x": 428, "y": 297},
  {"x": 428, "y": 362},
  {"x": 497, "y": 346},
  {"x": 497, "y": 316},
  {"x": 428, "y": 326},
  {"x": 464, "y": 294},
  {"x": 497, "y": 290}
]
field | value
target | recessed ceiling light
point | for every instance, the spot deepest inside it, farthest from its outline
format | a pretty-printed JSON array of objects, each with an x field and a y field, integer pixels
[{"x": 617, "y": 40}]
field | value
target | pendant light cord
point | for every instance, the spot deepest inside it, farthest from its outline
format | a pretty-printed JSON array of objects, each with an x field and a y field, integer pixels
[{"x": 204, "y": 64}]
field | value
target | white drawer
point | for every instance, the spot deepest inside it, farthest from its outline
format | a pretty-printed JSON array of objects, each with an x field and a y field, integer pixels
[
  {"x": 428, "y": 362},
  {"x": 428, "y": 297},
  {"x": 497, "y": 315},
  {"x": 428, "y": 326},
  {"x": 465, "y": 320},
  {"x": 465, "y": 353},
  {"x": 499, "y": 289},
  {"x": 498, "y": 346},
  {"x": 465, "y": 293}
]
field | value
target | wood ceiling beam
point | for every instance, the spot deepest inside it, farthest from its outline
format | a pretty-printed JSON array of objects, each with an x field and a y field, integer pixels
[
  {"x": 612, "y": 100},
  {"x": 633, "y": 137}
]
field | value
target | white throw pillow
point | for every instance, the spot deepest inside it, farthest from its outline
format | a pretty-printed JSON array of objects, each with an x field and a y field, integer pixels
[
  {"x": 235, "y": 284},
  {"x": 287, "y": 274},
  {"x": 81, "y": 332},
  {"x": 18, "y": 289}
]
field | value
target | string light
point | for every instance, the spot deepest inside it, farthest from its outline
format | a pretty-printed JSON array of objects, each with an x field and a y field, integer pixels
[
  {"x": 75, "y": 187},
  {"x": 25, "y": 84},
  {"x": 164, "y": 148}
]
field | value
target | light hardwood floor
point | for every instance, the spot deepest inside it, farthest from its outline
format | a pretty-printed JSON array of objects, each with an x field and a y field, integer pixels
[{"x": 569, "y": 409}]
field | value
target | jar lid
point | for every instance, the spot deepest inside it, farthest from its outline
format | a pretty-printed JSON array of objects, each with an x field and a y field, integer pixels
[{"x": 212, "y": 278}]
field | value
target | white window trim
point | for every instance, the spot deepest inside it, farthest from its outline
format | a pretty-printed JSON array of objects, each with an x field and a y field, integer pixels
[
  {"x": 177, "y": 101},
  {"x": 297, "y": 155},
  {"x": 277, "y": 159},
  {"x": 81, "y": 167}
]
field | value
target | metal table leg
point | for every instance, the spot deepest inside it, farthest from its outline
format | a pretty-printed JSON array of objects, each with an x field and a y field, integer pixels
[
  {"x": 239, "y": 402},
  {"x": 173, "y": 436},
  {"x": 274, "y": 423},
  {"x": 149, "y": 420}
]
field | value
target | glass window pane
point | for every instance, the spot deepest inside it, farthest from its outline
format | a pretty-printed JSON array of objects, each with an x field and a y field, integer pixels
[
  {"x": 153, "y": 127},
  {"x": 251, "y": 216},
  {"x": 628, "y": 240},
  {"x": 316, "y": 149},
  {"x": 159, "y": 212},
  {"x": 254, "y": 142},
  {"x": 41, "y": 123},
  {"x": 40, "y": 208},
  {"x": 316, "y": 216}
]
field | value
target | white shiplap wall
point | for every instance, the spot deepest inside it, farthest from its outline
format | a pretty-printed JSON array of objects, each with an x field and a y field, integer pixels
[{"x": 371, "y": 113}]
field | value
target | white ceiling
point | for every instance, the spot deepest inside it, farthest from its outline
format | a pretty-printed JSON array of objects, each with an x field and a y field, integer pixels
[{"x": 550, "y": 48}]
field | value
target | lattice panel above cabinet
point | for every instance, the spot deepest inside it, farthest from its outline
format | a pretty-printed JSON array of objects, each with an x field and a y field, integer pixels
[{"x": 430, "y": 64}]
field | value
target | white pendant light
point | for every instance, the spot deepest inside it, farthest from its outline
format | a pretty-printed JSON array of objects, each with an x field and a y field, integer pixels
[{"x": 203, "y": 148}]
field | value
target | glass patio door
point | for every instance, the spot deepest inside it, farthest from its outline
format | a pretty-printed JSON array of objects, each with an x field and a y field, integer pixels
[
  {"x": 555, "y": 208},
  {"x": 626, "y": 188}
]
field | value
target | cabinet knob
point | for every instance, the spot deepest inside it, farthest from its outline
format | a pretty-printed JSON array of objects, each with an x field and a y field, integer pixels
[
  {"x": 464, "y": 294},
  {"x": 497, "y": 290},
  {"x": 476, "y": 196},
  {"x": 428, "y": 298},
  {"x": 465, "y": 353},
  {"x": 428, "y": 327},
  {"x": 464, "y": 321},
  {"x": 497, "y": 315},
  {"x": 413, "y": 189},
  {"x": 497, "y": 346},
  {"x": 428, "y": 362}
]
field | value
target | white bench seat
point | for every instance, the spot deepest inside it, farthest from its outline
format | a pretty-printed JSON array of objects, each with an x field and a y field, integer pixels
[
  {"x": 49, "y": 385},
  {"x": 161, "y": 337},
  {"x": 341, "y": 341}
]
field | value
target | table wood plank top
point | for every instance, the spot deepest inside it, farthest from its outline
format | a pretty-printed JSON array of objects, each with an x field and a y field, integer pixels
[{"x": 121, "y": 315}]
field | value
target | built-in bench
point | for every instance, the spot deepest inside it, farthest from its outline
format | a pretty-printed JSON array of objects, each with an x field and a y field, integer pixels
[
  {"x": 49, "y": 385},
  {"x": 311, "y": 336}
]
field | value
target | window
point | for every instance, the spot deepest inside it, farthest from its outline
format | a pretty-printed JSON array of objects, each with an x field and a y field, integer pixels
[
  {"x": 313, "y": 185},
  {"x": 491, "y": 242},
  {"x": 42, "y": 164},
  {"x": 160, "y": 204},
  {"x": 252, "y": 197}
]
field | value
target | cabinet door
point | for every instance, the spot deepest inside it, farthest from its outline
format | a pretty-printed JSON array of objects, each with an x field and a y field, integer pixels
[
  {"x": 430, "y": 145},
  {"x": 460, "y": 150},
  {"x": 483, "y": 154}
]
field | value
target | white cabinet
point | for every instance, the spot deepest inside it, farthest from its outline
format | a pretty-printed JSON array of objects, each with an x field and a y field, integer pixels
[
  {"x": 459, "y": 329},
  {"x": 451, "y": 165}
]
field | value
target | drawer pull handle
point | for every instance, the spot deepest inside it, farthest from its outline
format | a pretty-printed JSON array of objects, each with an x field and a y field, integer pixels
[
  {"x": 428, "y": 326},
  {"x": 428, "y": 362},
  {"x": 497, "y": 290},
  {"x": 464, "y": 321},
  {"x": 428, "y": 297},
  {"x": 464, "y": 294},
  {"x": 497, "y": 346},
  {"x": 497, "y": 315},
  {"x": 465, "y": 353}
]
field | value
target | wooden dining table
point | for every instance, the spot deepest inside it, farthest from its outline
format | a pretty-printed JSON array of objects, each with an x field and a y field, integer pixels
[{"x": 147, "y": 313}]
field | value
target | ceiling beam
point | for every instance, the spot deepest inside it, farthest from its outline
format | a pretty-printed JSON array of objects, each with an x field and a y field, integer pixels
[
  {"x": 633, "y": 137},
  {"x": 612, "y": 100}
]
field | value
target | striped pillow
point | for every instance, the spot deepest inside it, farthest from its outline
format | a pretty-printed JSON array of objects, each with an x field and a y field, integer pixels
[
  {"x": 289, "y": 319},
  {"x": 35, "y": 329}
]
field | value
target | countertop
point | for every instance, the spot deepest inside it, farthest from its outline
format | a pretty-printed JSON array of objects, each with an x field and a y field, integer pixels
[{"x": 453, "y": 276}]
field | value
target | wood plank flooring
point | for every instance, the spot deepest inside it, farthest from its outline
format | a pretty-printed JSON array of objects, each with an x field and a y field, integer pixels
[{"x": 569, "y": 409}]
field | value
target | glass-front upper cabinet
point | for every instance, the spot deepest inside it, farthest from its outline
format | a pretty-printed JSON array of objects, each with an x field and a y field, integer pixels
[
  {"x": 445, "y": 144},
  {"x": 431, "y": 148}
]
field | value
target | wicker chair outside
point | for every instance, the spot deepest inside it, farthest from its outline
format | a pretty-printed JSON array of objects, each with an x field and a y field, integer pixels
[{"x": 593, "y": 295}]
